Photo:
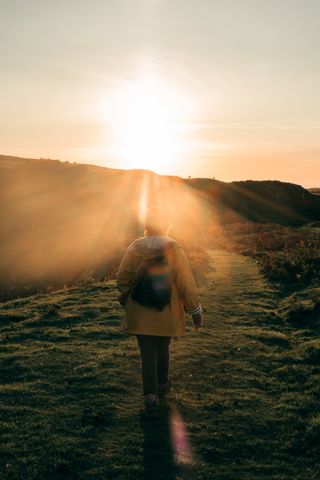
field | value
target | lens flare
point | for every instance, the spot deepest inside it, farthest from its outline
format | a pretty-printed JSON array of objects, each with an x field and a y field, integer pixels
[
  {"x": 180, "y": 440},
  {"x": 143, "y": 199}
]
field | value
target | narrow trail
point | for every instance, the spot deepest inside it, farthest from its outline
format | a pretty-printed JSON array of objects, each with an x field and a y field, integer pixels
[
  {"x": 229, "y": 364},
  {"x": 70, "y": 394},
  {"x": 236, "y": 287}
]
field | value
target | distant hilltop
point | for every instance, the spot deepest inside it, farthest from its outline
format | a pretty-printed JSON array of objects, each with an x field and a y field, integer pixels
[
  {"x": 315, "y": 191},
  {"x": 266, "y": 201}
]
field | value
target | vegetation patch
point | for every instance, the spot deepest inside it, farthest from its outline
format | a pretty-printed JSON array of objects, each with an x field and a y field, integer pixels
[{"x": 289, "y": 257}]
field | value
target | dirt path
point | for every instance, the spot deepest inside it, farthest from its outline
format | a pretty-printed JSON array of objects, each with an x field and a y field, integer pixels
[
  {"x": 236, "y": 287},
  {"x": 229, "y": 391},
  {"x": 70, "y": 391}
]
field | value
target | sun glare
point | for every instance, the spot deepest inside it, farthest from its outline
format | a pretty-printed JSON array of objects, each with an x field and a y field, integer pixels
[{"x": 146, "y": 117}]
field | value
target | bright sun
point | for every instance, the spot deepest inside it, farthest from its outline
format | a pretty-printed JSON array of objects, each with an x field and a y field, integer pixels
[{"x": 146, "y": 116}]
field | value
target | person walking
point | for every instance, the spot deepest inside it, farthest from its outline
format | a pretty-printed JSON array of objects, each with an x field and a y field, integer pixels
[{"x": 156, "y": 288}]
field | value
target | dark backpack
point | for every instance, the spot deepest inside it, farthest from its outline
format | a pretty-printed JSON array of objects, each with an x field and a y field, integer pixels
[{"x": 153, "y": 285}]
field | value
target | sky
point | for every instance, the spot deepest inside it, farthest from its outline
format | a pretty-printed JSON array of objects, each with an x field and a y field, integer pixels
[{"x": 203, "y": 88}]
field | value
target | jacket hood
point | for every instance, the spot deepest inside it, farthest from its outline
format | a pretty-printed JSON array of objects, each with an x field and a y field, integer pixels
[{"x": 152, "y": 244}]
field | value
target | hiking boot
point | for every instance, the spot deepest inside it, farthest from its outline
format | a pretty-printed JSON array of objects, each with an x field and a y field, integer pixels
[
  {"x": 151, "y": 403},
  {"x": 164, "y": 388}
]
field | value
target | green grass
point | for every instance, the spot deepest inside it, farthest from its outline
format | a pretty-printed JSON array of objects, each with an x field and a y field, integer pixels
[{"x": 246, "y": 388}]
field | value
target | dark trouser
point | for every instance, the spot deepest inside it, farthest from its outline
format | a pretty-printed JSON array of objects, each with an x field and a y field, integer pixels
[{"x": 154, "y": 361}]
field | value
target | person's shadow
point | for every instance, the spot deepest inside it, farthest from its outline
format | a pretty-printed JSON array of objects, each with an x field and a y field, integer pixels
[{"x": 166, "y": 452}]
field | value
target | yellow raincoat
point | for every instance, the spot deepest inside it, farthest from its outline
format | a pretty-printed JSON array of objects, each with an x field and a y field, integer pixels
[{"x": 143, "y": 320}]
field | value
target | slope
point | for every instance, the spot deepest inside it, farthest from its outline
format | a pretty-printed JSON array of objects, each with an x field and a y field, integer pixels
[{"x": 244, "y": 403}]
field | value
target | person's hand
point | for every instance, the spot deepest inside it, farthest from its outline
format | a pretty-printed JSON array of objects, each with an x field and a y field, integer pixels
[{"x": 197, "y": 321}]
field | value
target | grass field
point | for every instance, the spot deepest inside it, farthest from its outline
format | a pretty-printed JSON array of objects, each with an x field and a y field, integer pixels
[{"x": 245, "y": 398}]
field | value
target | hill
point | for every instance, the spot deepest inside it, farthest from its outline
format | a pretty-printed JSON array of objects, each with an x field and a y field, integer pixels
[
  {"x": 269, "y": 201},
  {"x": 63, "y": 221},
  {"x": 266, "y": 201},
  {"x": 315, "y": 191}
]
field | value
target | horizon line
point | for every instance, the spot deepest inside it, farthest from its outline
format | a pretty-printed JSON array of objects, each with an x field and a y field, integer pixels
[{"x": 156, "y": 173}]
